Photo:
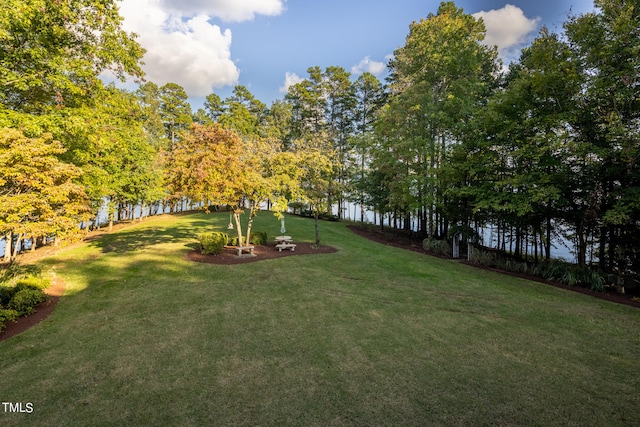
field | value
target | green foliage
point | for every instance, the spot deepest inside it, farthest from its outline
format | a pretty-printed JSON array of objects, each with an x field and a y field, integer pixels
[
  {"x": 297, "y": 206},
  {"x": 487, "y": 258},
  {"x": 10, "y": 273},
  {"x": 321, "y": 215},
  {"x": 212, "y": 242},
  {"x": 440, "y": 247},
  {"x": 259, "y": 237},
  {"x": 175, "y": 109},
  {"x": 554, "y": 270},
  {"x": 571, "y": 275},
  {"x": 54, "y": 51},
  {"x": 7, "y": 315},
  {"x": 37, "y": 191},
  {"x": 550, "y": 270},
  {"x": 9, "y": 289},
  {"x": 33, "y": 282},
  {"x": 240, "y": 112},
  {"x": 6, "y": 293},
  {"x": 25, "y": 300}
]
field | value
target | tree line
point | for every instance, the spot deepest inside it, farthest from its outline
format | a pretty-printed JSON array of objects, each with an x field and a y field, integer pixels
[
  {"x": 451, "y": 142},
  {"x": 547, "y": 147}
]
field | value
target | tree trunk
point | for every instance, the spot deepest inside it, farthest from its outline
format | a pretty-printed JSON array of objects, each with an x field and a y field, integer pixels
[
  {"x": 315, "y": 217},
  {"x": 236, "y": 216},
  {"x": 602, "y": 248},
  {"x": 252, "y": 214},
  {"x": 7, "y": 248},
  {"x": 16, "y": 246},
  {"x": 535, "y": 245},
  {"x": 548, "y": 242},
  {"x": 582, "y": 247}
]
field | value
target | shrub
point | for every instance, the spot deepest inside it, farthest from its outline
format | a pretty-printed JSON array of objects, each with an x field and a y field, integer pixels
[
  {"x": 572, "y": 275},
  {"x": 33, "y": 282},
  {"x": 25, "y": 301},
  {"x": 516, "y": 266},
  {"x": 11, "y": 273},
  {"x": 7, "y": 315},
  {"x": 486, "y": 258},
  {"x": 440, "y": 247},
  {"x": 6, "y": 293},
  {"x": 213, "y": 242},
  {"x": 551, "y": 270},
  {"x": 259, "y": 237},
  {"x": 297, "y": 206}
]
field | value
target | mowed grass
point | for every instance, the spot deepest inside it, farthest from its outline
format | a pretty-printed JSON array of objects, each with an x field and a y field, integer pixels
[{"x": 370, "y": 335}]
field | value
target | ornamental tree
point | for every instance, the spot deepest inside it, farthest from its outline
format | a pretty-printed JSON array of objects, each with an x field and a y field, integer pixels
[{"x": 37, "y": 192}]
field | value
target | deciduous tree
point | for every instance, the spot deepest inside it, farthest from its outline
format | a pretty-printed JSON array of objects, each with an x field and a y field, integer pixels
[{"x": 37, "y": 193}]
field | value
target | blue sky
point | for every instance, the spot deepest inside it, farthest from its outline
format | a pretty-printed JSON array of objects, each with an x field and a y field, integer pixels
[{"x": 212, "y": 45}]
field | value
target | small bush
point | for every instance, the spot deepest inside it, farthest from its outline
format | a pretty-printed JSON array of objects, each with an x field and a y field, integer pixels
[
  {"x": 570, "y": 274},
  {"x": 259, "y": 237},
  {"x": 297, "y": 206},
  {"x": 551, "y": 270},
  {"x": 213, "y": 242},
  {"x": 25, "y": 301},
  {"x": 33, "y": 282},
  {"x": 440, "y": 247},
  {"x": 6, "y": 293},
  {"x": 516, "y": 266},
  {"x": 7, "y": 315},
  {"x": 486, "y": 258},
  {"x": 321, "y": 215}
]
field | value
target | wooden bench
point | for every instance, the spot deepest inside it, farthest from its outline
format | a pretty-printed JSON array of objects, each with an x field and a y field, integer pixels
[
  {"x": 241, "y": 249},
  {"x": 282, "y": 246}
]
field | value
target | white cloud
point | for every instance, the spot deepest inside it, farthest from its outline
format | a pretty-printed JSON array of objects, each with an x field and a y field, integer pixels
[
  {"x": 227, "y": 10},
  {"x": 367, "y": 65},
  {"x": 508, "y": 28},
  {"x": 183, "y": 46},
  {"x": 290, "y": 79}
]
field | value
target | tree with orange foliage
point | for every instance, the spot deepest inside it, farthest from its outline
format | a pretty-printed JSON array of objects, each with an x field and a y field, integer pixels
[{"x": 212, "y": 164}]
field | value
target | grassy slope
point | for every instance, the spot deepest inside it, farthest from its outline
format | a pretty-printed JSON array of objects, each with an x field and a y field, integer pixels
[{"x": 370, "y": 335}]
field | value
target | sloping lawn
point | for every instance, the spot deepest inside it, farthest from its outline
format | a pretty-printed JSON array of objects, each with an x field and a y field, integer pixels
[{"x": 370, "y": 335}]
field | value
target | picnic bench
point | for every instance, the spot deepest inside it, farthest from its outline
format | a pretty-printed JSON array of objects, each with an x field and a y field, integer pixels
[
  {"x": 242, "y": 249},
  {"x": 286, "y": 245}
]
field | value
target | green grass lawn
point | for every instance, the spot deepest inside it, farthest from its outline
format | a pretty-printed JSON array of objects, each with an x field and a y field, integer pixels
[{"x": 370, "y": 335}]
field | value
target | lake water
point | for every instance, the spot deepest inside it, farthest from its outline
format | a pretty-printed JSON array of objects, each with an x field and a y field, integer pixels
[{"x": 560, "y": 248}]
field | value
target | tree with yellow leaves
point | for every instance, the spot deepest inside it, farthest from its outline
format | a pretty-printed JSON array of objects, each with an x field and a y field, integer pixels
[{"x": 38, "y": 195}]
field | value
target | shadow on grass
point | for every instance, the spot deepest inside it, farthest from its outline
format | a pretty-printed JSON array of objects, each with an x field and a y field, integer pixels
[{"x": 140, "y": 238}]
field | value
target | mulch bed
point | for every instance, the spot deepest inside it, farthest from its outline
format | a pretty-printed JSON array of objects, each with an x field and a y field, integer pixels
[{"x": 55, "y": 291}]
